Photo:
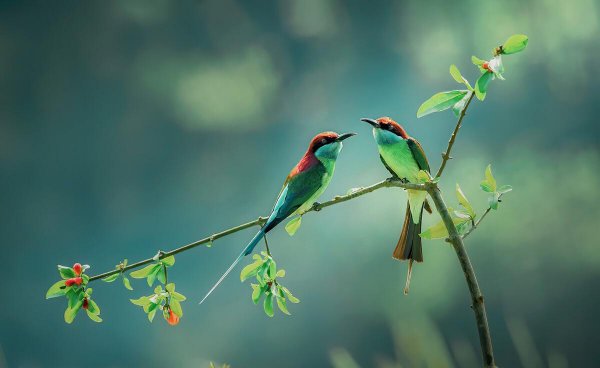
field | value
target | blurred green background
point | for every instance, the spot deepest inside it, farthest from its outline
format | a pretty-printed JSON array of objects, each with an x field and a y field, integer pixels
[{"x": 132, "y": 126}]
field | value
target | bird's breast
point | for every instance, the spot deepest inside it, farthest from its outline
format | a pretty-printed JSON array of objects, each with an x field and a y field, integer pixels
[{"x": 398, "y": 156}]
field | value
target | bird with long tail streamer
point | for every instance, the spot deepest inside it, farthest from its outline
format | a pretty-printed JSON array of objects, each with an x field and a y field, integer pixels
[
  {"x": 305, "y": 183},
  {"x": 404, "y": 157}
]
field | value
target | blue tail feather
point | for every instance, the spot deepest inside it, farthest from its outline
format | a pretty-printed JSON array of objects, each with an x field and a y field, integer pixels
[{"x": 247, "y": 250}]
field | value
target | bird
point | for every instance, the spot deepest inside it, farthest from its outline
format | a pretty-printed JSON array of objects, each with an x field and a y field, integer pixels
[
  {"x": 304, "y": 184},
  {"x": 403, "y": 157}
]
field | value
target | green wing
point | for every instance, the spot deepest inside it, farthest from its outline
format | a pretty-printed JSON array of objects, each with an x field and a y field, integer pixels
[
  {"x": 299, "y": 189},
  {"x": 418, "y": 154}
]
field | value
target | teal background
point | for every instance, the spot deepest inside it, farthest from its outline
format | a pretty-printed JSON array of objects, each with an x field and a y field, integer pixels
[{"x": 132, "y": 126}]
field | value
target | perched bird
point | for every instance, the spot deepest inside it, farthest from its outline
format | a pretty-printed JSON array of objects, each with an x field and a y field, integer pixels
[
  {"x": 305, "y": 183},
  {"x": 403, "y": 156}
]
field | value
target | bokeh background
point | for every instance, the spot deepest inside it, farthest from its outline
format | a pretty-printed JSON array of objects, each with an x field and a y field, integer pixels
[{"x": 132, "y": 126}]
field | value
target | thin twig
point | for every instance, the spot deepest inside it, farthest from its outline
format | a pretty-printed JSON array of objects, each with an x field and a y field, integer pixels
[
  {"x": 446, "y": 155},
  {"x": 388, "y": 183},
  {"x": 477, "y": 223}
]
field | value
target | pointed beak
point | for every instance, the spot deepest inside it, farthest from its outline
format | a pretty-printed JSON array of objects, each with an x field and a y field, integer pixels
[
  {"x": 374, "y": 123},
  {"x": 344, "y": 136}
]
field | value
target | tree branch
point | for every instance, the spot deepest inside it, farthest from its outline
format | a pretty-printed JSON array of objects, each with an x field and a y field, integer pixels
[
  {"x": 478, "y": 305},
  {"x": 446, "y": 155},
  {"x": 388, "y": 183}
]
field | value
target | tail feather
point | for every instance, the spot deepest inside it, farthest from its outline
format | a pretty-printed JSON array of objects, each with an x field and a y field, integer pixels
[
  {"x": 247, "y": 250},
  {"x": 409, "y": 244}
]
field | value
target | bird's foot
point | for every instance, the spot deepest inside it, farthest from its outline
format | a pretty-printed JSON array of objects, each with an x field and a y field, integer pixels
[{"x": 316, "y": 206}]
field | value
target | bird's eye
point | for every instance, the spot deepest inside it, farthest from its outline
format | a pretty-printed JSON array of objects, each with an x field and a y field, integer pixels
[{"x": 324, "y": 141}]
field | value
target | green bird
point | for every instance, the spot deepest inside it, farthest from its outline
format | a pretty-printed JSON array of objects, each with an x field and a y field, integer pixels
[
  {"x": 404, "y": 157},
  {"x": 305, "y": 183}
]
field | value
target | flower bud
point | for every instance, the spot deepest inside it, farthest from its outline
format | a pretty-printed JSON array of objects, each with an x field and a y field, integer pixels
[
  {"x": 173, "y": 318},
  {"x": 77, "y": 280},
  {"x": 77, "y": 268},
  {"x": 85, "y": 304}
]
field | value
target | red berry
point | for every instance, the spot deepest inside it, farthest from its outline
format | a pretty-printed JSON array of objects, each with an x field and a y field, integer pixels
[
  {"x": 486, "y": 66},
  {"x": 85, "y": 304},
  {"x": 77, "y": 269},
  {"x": 173, "y": 318},
  {"x": 78, "y": 280},
  {"x": 70, "y": 282}
]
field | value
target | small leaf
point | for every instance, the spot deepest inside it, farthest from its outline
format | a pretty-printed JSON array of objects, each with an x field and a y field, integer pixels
[
  {"x": 257, "y": 292},
  {"x": 281, "y": 273},
  {"x": 268, "y": 305},
  {"x": 493, "y": 200},
  {"x": 439, "y": 231},
  {"x": 151, "y": 315},
  {"x": 143, "y": 301},
  {"x": 282, "y": 305},
  {"x": 126, "y": 283},
  {"x": 292, "y": 226},
  {"x": 505, "y": 189},
  {"x": 289, "y": 295},
  {"x": 482, "y": 84},
  {"x": 71, "y": 312},
  {"x": 144, "y": 272},
  {"x": 111, "y": 278},
  {"x": 168, "y": 261},
  {"x": 440, "y": 102},
  {"x": 250, "y": 270},
  {"x": 152, "y": 276},
  {"x": 515, "y": 43},
  {"x": 170, "y": 287},
  {"x": 93, "y": 307},
  {"x": 177, "y": 296},
  {"x": 161, "y": 275},
  {"x": 57, "y": 289},
  {"x": 477, "y": 61},
  {"x": 75, "y": 296},
  {"x": 176, "y": 307},
  {"x": 455, "y": 73},
  {"x": 93, "y": 317},
  {"x": 489, "y": 178},
  {"x": 462, "y": 199},
  {"x": 272, "y": 272},
  {"x": 460, "y": 105},
  {"x": 66, "y": 272}
]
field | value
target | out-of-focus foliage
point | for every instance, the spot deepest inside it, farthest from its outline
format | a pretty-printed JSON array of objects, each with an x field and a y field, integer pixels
[{"x": 131, "y": 126}]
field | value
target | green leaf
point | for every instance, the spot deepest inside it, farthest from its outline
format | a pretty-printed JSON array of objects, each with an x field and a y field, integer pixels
[
  {"x": 126, "y": 283},
  {"x": 93, "y": 307},
  {"x": 293, "y": 225},
  {"x": 455, "y": 73},
  {"x": 152, "y": 276},
  {"x": 493, "y": 200},
  {"x": 515, "y": 43},
  {"x": 477, "y": 61},
  {"x": 177, "y": 296},
  {"x": 161, "y": 275},
  {"x": 439, "y": 231},
  {"x": 144, "y": 272},
  {"x": 75, "y": 296},
  {"x": 268, "y": 305},
  {"x": 289, "y": 295},
  {"x": 176, "y": 307},
  {"x": 151, "y": 314},
  {"x": 460, "y": 105},
  {"x": 141, "y": 301},
  {"x": 71, "y": 312},
  {"x": 85, "y": 278},
  {"x": 272, "y": 272},
  {"x": 57, "y": 289},
  {"x": 462, "y": 199},
  {"x": 257, "y": 292},
  {"x": 440, "y": 102},
  {"x": 170, "y": 287},
  {"x": 281, "y": 273},
  {"x": 482, "y": 84},
  {"x": 282, "y": 305},
  {"x": 66, "y": 272},
  {"x": 93, "y": 317},
  {"x": 505, "y": 189},
  {"x": 250, "y": 270},
  {"x": 111, "y": 278},
  {"x": 489, "y": 178},
  {"x": 168, "y": 261}
]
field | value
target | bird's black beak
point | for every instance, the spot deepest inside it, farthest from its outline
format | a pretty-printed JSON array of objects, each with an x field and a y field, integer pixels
[
  {"x": 374, "y": 123},
  {"x": 344, "y": 136}
]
